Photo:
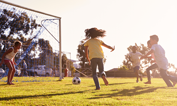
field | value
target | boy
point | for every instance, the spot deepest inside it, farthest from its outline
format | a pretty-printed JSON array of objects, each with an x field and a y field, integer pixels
[
  {"x": 161, "y": 60},
  {"x": 153, "y": 66},
  {"x": 134, "y": 57}
]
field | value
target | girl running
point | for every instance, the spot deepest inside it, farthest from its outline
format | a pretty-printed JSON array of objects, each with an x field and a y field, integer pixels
[{"x": 93, "y": 47}]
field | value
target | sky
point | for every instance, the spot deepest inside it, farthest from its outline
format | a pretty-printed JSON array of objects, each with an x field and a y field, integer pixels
[{"x": 126, "y": 22}]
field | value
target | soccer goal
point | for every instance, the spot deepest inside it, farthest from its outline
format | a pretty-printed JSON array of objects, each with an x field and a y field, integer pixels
[{"x": 40, "y": 34}]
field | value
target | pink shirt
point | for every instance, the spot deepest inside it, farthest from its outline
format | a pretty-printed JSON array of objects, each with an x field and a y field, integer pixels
[{"x": 153, "y": 57}]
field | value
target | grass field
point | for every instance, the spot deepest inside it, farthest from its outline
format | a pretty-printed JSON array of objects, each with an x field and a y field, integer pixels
[{"x": 121, "y": 91}]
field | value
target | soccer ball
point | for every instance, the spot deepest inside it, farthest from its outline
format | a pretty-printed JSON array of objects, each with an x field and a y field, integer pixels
[{"x": 76, "y": 80}]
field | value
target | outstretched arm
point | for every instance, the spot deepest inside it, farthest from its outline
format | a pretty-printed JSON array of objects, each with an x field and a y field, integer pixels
[
  {"x": 86, "y": 54},
  {"x": 150, "y": 52},
  {"x": 153, "y": 61},
  {"x": 109, "y": 47}
]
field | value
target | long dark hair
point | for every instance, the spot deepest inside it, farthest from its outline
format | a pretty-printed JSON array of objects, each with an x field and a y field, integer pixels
[{"x": 94, "y": 32}]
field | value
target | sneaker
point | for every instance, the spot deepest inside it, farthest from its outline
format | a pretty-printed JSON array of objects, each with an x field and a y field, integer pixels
[
  {"x": 105, "y": 80},
  {"x": 97, "y": 89},
  {"x": 137, "y": 81},
  {"x": 174, "y": 83},
  {"x": 148, "y": 82}
]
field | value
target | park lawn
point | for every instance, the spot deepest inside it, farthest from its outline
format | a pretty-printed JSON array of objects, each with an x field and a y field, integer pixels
[{"x": 120, "y": 91}]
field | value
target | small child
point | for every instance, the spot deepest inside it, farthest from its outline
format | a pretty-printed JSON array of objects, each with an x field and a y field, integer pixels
[
  {"x": 134, "y": 57},
  {"x": 153, "y": 66},
  {"x": 95, "y": 58},
  {"x": 161, "y": 60},
  {"x": 24, "y": 70},
  {"x": 8, "y": 59}
]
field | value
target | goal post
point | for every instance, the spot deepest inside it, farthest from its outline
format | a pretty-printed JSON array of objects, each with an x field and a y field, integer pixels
[{"x": 52, "y": 28}]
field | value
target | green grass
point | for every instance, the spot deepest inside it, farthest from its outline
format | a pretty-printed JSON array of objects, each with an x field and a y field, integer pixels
[{"x": 121, "y": 91}]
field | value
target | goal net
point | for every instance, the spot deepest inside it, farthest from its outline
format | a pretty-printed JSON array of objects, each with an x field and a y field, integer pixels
[{"x": 40, "y": 34}]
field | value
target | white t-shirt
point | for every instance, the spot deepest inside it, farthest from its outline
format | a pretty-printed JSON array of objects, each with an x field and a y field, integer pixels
[
  {"x": 11, "y": 55},
  {"x": 135, "y": 58},
  {"x": 160, "y": 58}
]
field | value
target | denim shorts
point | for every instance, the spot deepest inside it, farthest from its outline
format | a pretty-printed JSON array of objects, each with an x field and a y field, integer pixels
[{"x": 136, "y": 68}]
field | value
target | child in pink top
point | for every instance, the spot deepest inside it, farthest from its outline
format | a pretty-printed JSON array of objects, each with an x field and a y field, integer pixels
[
  {"x": 8, "y": 59},
  {"x": 153, "y": 66}
]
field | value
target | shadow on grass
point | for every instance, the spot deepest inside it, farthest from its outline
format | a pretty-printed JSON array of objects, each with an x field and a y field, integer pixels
[
  {"x": 68, "y": 84},
  {"x": 128, "y": 92},
  {"x": 113, "y": 84},
  {"x": 4, "y": 84},
  {"x": 38, "y": 96},
  {"x": 120, "y": 83}
]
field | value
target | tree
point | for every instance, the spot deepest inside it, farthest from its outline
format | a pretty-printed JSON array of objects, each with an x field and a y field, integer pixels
[
  {"x": 15, "y": 26},
  {"x": 64, "y": 61},
  {"x": 143, "y": 50},
  {"x": 81, "y": 55},
  {"x": 13, "y": 23},
  {"x": 46, "y": 55},
  {"x": 56, "y": 60},
  {"x": 124, "y": 68}
]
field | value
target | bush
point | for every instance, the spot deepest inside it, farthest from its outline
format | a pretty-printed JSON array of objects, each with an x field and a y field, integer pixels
[{"x": 123, "y": 68}]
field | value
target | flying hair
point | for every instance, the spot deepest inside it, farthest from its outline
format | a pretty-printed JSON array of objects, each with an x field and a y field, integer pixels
[{"x": 94, "y": 32}]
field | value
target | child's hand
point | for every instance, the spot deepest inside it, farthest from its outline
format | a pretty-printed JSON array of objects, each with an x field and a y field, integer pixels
[
  {"x": 142, "y": 57},
  {"x": 89, "y": 61},
  {"x": 113, "y": 48},
  {"x": 152, "y": 61},
  {"x": 15, "y": 63}
]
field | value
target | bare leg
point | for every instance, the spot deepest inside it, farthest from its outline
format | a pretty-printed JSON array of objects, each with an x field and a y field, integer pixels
[
  {"x": 9, "y": 77},
  {"x": 141, "y": 79},
  {"x": 154, "y": 66},
  {"x": 13, "y": 72},
  {"x": 137, "y": 75},
  {"x": 105, "y": 80},
  {"x": 8, "y": 64}
]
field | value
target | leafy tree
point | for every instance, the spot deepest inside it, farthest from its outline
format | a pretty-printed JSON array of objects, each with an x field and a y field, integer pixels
[
  {"x": 81, "y": 55},
  {"x": 64, "y": 60},
  {"x": 13, "y": 23},
  {"x": 142, "y": 49},
  {"x": 45, "y": 50},
  {"x": 56, "y": 60},
  {"x": 124, "y": 68}
]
